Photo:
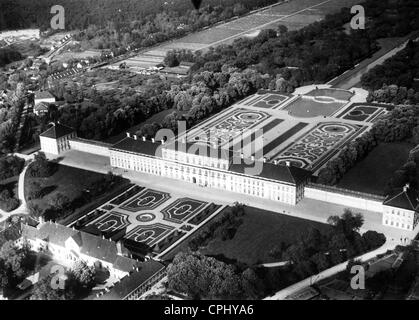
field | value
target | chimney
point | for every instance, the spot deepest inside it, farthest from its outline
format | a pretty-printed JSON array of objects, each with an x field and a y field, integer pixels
[
  {"x": 135, "y": 137},
  {"x": 288, "y": 164},
  {"x": 144, "y": 138},
  {"x": 128, "y": 135}
]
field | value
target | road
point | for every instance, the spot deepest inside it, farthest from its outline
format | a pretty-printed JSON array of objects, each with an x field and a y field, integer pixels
[
  {"x": 282, "y": 294},
  {"x": 22, "y": 209},
  {"x": 352, "y": 78}
]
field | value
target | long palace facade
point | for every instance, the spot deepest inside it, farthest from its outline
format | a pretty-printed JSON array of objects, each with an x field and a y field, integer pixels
[
  {"x": 212, "y": 167},
  {"x": 218, "y": 169}
]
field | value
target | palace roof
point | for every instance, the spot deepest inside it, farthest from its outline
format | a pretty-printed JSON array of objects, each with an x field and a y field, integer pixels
[
  {"x": 201, "y": 149},
  {"x": 143, "y": 272},
  {"x": 272, "y": 171},
  {"x": 138, "y": 146},
  {"x": 43, "y": 95},
  {"x": 57, "y": 131},
  {"x": 407, "y": 199},
  {"x": 90, "y": 245}
]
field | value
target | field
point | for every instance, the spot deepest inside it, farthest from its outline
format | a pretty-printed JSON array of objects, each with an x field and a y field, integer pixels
[
  {"x": 372, "y": 174},
  {"x": 260, "y": 232},
  {"x": 291, "y": 14},
  {"x": 308, "y": 108}
]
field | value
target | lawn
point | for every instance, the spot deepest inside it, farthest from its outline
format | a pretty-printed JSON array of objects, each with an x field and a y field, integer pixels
[
  {"x": 372, "y": 173},
  {"x": 66, "y": 180},
  {"x": 260, "y": 232},
  {"x": 307, "y": 108}
]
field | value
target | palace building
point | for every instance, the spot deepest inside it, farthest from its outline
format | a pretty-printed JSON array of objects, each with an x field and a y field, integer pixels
[
  {"x": 269, "y": 145},
  {"x": 57, "y": 139},
  {"x": 68, "y": 246},
  {"x": 220, "y": 169},
  {"x": 400, "y": 209}
]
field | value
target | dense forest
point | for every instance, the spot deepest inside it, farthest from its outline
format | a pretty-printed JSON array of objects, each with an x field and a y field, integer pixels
[
  {"x": 402, "y": 70},
  {"x": 275, "y": 59},
  {"x": 79, "y": 14}
]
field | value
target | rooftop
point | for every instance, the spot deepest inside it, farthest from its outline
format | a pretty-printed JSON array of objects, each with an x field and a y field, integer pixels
[
  {"x": 57, "y": 131},
  {"x": 43, "y": 95},
  {"x": 129, "y": 283},
  {"x": 406, "y": 198},
  {"x": 201, "y": 149},
  {"x": 272, "y": 171},
  {"x": 91, "y": 245},
  {"x": 137, "y": 146}
]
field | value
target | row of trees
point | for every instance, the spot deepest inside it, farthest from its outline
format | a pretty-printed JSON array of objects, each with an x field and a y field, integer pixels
[
  {"x": 401, "y": 69},
  {"x": 393, "y": 94},
  {"x": 398, "y": 125},
  {"x": 321, "y": 250},
  {"x": 203, "y": 277},
  {"x": 9, "y": 118}
]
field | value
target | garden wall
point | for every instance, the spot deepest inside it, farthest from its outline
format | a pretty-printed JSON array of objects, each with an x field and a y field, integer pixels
[
  {"x": 90, "y": 146},
  {"x": 345, "y": 197}
]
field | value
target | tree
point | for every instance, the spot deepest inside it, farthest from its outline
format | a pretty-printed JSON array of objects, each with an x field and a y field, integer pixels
[
  {"x": 203, "y": 277},
  {"x": 35, "y": 190},
  {"x": 42, "y": 290},
  {"x": 171, "y": 59},
  {"x": 40, "y": 167},
  {"x": 373, "y": 239},
  {"x": 16, "y": 262},
  {"x": 348, "y": 222},
  {"x": 84, "y": 274},
  {"x": 35, "y": 210}
]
